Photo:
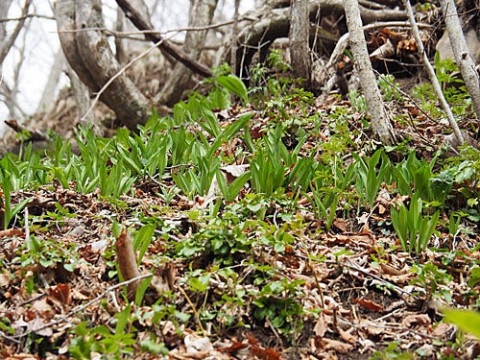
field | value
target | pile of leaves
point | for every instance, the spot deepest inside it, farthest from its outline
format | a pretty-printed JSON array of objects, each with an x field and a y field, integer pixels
[{"x": 270, "y": 227}]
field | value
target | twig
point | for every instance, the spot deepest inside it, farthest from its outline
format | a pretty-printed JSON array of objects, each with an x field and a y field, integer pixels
[
  {"x": 155, "y": 32},
  {"x": 21, "y": 18},
  {"x": 195, "y": 312},
  {"x": 353, "y": 266},
  {"x": 9, "y": 338},
  {"x": 275, "y": 332},
  {"x": 80, "y": 308}
]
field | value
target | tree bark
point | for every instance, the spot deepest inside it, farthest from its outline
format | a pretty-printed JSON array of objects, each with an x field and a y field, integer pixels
[
  {"x": 299, "y": 40},
  {"x": 48, "y": 94},
  {"x": 358, "y": 45},
  {"x": 462, "y": 55},
  {"x": 431, "y": 74},
  {"x": 201, "y": 14},
  {"x": 89, "y": 54},
  {"x": 120, "y": 51}
]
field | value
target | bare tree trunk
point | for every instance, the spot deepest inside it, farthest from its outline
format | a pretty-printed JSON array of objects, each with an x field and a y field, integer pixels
[
  {"x": 380, "y": 123},
  {"x": 299, "y": 38},
  {"x": 82, "y": 98},
  {"x": 48, "y": 94},
  {"x": 233, "y": 54},
  {"x": 120, "y": 52},
  {"x": 7, "y": 44},
  {"x": 201, "y": 14},
  {"x": 431, "y": 74},
  {"x": 3, "y": 14},
  {"x": 11, "y": 92},
  {"x": 461, "y": 52},
  {"x": 89, "y": 54}
]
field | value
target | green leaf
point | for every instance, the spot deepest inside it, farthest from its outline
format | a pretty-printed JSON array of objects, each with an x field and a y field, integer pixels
[
  {"x": 234, "y": 84},
  {"x": 466, "y": 320},
  {"x": 474, "y": 277},
  {"x": 142, "y": 240}
]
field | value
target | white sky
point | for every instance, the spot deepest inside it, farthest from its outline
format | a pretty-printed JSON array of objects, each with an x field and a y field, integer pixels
[{"x": 42, "y": 43}]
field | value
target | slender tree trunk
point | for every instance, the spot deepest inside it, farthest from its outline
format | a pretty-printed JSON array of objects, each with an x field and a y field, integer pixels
[
  {"x": 201, "y": 14},
  {"x": 431, "y": 74},
  {"x": 233, "y": 54},
  {"x": 461, "y": 52},
  {"x": 82, "y": 98},
  {"x": 7, "y": 44},
  {"x": 299, "y": 39},
  {"x": 120, "y": 51},
  {"x": 380, "y": 123},
  {"x": 48, "y": 93},
  {"x": 3, "y": 14}
]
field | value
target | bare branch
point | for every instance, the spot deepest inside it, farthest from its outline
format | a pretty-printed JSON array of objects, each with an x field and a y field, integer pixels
[
  {"x": 138, "y": 20},
  {"x": 7, "y": 45},
  {"x": 28, "y": 16}
]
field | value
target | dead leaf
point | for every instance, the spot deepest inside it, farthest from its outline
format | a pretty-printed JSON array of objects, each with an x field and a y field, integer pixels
[
  {"x": 259, "y": 352},
  {"x": 234, "y": 171},
  {"x": 62, "y": 293},
  {"x": 330, "y": 344},
  {"x": 420, "y": 319},
  {"x": 196, "y": 344},
  {"x": 389, "y": 270},
  {"x": 347, "y": 336},
  {"x": 320, "y": 327},
  {"x": 368, "y": 304},
  {"x": 11, "y": 232},
  {"x": 38, "y": 326},
  {"x": 340, "y": 224}
]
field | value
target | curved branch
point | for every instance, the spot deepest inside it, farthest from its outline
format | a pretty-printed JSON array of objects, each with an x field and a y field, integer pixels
[
  {"x": 166, "y": 46},
  {"x": 7, "y": 45}
]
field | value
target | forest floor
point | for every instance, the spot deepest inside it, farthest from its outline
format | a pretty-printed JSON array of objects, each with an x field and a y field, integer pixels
[{"x": 292, "y": 255}]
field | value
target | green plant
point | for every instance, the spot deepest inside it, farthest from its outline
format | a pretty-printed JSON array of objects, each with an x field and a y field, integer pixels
[
  {"x": 413, "y": 228},
  {"x": 391, "y": 352},
  {"x": 231, "y": 191},
  {"x": 9, "y": 211},
  {"x": 388, "y": 88},
  {"x": 466, "y": 320},
  {"x": 369, "y": 178},
  {"x": 102, "y": 340},
  {"x": 276, "y": 302},
  {"x": 433, "y": 280}
]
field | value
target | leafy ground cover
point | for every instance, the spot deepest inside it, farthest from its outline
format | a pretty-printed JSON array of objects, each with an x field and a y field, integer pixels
[{"x": 273, "y": 227}]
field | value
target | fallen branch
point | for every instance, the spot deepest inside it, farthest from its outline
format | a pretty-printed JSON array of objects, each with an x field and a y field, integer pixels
[{"x": 33, "y": 135}]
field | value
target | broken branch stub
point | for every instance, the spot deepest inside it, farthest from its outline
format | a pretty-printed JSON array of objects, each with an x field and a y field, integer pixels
[{"x": 127, "y": 262}]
